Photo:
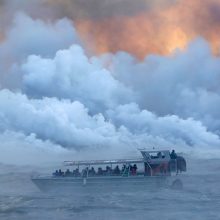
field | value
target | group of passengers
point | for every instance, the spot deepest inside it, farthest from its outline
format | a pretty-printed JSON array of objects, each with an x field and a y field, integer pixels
[
  {"x": 67, "y": 173},
  {"x": 126, "y": 169}
]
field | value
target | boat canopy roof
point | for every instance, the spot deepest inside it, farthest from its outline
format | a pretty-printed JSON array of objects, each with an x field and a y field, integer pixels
[
  {"x": 103, "y": 162},
  {"x": 152, "y": 156}
]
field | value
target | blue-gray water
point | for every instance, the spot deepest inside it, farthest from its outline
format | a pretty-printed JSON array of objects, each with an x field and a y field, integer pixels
[{"x": 200, "y": 198}]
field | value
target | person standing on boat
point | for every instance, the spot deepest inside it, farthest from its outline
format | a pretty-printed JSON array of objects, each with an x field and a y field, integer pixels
[
  {"x": 173, "y": 155},
  {"x": 135, "y": 169},
  {"x": 117, "y": 170}
]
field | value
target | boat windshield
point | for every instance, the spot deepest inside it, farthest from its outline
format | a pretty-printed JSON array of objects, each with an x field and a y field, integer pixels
[{"x": 157, "y": 155}]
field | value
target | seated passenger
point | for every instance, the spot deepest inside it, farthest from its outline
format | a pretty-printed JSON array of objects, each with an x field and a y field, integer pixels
[
  {"x": 56, "y": 173},
  {"x": 173, "y": 155},
  {"x": 100, "y": 171},
  {"x": 117, "y": 170},
  {"x": 67, "y": 173},
  {"x": 108, "y": 170},
  {"x": 60, "y": 173},
  {"x": 76, "y": 172},
  {"x": 92, "y": 172}
]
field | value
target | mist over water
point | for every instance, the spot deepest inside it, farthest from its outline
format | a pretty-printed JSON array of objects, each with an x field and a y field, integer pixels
[{"x": 199, "y": 199}]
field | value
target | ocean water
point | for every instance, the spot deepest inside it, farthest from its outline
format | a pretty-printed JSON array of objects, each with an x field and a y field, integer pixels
[{"x": 20, "y": 199}]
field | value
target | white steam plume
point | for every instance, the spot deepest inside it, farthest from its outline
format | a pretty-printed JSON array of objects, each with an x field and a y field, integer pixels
[
  {"x": 61, "y": 99},
  {"x": 185, "y": 83}
]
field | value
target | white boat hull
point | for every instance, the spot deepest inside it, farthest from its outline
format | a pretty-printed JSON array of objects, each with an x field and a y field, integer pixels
[{"x": 73, "y": 184}]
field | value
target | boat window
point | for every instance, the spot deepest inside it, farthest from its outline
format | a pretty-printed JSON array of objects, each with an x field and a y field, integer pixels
[{"x": 157, "y": 155}]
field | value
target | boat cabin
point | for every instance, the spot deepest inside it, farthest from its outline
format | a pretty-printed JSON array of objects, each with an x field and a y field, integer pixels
[
  {"x": 156, "y": 162},
  {"x": 155, "y": 157}
]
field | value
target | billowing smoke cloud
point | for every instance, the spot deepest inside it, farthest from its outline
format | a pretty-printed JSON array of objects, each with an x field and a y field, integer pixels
[
  {"x": 69, "y": 124},
  {"x": 72, "y": 75},
  {"x": 56, "y": 97},
  {"x": 143, "y": 26},
  {"x": 96, "y": 10},
  {"x": 29, "y": 36},
  {"x": 156, "y": 30},
  {"x": 183, "y": 84}
]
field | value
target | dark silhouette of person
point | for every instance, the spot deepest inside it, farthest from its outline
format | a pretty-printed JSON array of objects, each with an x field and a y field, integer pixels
[
  {"x": 76, "y": 172},
  {"x": 60, "y": 173},
  {"x": 92, "y": 171},
  {"x": 56, "y": 173},
  {"x": 100, "y": 171},
  {"x": 135, "y": 168},
  {"x": 117, "y": 170},
  {"x": 67, "y": 173},
  {"x": 173, "y": 155},
  {"x": 159, "y": 155}
]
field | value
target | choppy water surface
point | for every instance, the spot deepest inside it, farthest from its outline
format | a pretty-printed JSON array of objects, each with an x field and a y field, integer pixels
[{"x": 200, "y": 199}]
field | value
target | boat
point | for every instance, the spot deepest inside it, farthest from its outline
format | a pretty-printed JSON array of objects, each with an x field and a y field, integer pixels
[{"x": 156, "y": 168}]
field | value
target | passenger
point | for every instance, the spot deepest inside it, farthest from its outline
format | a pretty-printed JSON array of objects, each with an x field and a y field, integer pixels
[
  {"x": 108, "y": 170},
  {"x": 159, "y": 155},
  {"x": 60, "y": 173},
  {"x": 173, "y": 155},
  {"x": 67, "y": 173},
  {"x": 56, "y": 173},
  {"x": 100, "y": 171},
  {"x": 135, "y": 169},
  {"x": 76, "y": 172},
  {"x": 117, "y": 170},
  {"x": 92, "y": 172}
]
